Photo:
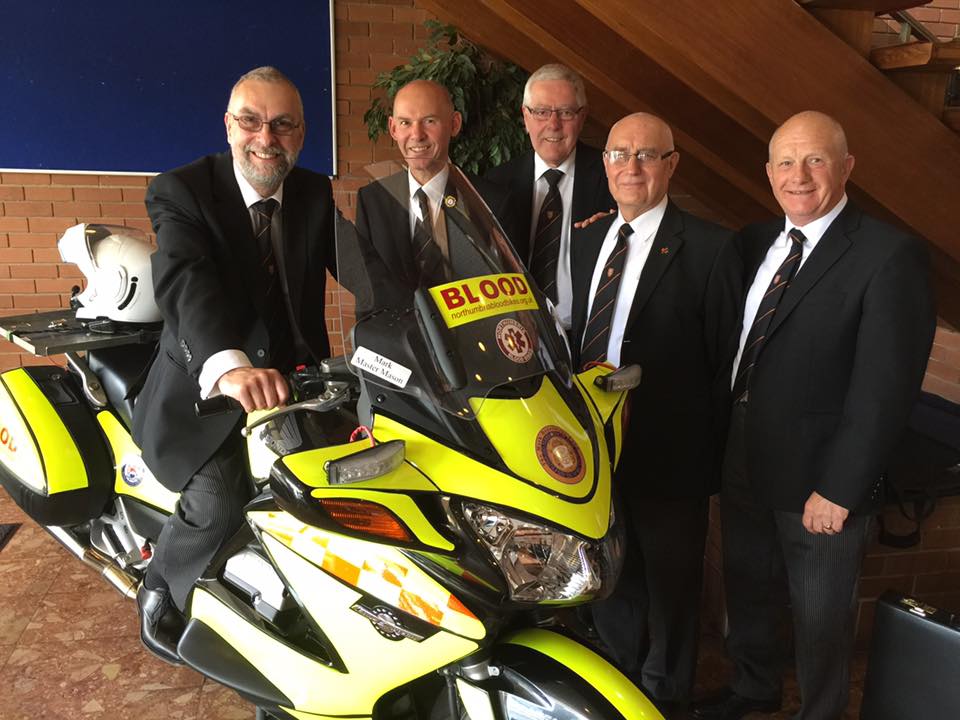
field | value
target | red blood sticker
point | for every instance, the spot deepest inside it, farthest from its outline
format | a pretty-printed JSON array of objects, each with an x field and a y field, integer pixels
[
  {"x": 514, "y": 341},
  {"x": 560, "y": 455}
]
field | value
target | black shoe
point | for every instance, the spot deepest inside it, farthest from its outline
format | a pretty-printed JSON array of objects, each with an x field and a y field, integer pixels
[
  {"x": 161, "y": 624},
  {"x": 725, "y": 704}
]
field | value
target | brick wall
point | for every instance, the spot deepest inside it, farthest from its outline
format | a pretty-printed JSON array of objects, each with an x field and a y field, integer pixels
[{"x": 941, "y": 17}]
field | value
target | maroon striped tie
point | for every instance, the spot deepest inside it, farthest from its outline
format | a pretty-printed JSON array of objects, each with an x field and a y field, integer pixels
[
  {"x": 596, "y": 336},
  {"x": 546, "y": 241},
  {"x": 765, "y": 312}
]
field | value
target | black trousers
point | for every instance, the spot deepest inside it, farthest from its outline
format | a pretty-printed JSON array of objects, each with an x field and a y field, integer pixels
[
  {"x": 768, "y": 556},
  {"x": 209, "y": 512},
  {"x": 650, "y": 624}
]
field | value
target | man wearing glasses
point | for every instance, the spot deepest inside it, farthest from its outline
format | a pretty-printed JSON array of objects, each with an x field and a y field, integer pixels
[
  {"x": 556, "y": 183},
  {"x": 244, "y": 240},
  {"x": 657, "y": 287}
]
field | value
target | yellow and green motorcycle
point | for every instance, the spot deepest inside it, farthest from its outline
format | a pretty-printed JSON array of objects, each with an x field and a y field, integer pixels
[{"x": 426, "y": 510}]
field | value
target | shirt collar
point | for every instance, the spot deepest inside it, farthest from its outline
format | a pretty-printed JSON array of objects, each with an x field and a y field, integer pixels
[
  {"x": 434, "y": 187},
  {"x": 815, "y": 229},
  {"x": 566, "y": 167},
  {"x": 251, "y": 196},
  {"x": 646, "y": 224}
]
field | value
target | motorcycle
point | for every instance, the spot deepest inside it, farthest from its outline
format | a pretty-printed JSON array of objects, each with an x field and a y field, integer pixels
[{"x": 426, "y": 508}]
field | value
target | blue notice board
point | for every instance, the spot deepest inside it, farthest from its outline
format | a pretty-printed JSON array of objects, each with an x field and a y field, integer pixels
[{"x": 125, "y": 86}]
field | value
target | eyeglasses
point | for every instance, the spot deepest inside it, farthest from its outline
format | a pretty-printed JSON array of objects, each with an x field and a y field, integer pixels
[
  {"x": 544, "y": 113},
  {"x": 644, "y": 157},
  {"x": 278, "y": 126}
]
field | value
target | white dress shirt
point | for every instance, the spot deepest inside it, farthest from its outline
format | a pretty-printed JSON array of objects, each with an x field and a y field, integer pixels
[
  {"x": 226, "y": 360},
  {"x": 775, "y": 256},
  {"x": 540, "y": 189},
  {"x": 645, "y": 228},
  {"x": 434, "y": 189}
]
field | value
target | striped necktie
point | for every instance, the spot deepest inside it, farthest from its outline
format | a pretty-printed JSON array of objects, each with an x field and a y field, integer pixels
[
  {"x": 275, "y": 315},
  {"x": 765, "y": 312},
  {"x": 596, "y": 336},
  {"x": 427, "y": 253},
  {"x": 546, "y": 241}
]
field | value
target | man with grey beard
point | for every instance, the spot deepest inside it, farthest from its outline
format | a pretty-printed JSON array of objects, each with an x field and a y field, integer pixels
[{"x": 244, "y": 240}]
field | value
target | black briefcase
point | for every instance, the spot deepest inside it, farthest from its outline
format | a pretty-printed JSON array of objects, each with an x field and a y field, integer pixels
[{"x": 913, "y": 672}]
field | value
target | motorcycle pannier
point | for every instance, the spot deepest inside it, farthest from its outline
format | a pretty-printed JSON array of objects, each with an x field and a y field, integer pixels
[{"x": 53, "y": 460}]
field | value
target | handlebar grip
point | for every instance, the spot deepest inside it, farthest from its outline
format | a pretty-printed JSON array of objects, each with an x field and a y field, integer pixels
[{"x": 218, "y": 405}]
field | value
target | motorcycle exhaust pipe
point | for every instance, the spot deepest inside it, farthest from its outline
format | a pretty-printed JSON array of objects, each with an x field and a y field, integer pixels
[{"x": 123, "y": 581}]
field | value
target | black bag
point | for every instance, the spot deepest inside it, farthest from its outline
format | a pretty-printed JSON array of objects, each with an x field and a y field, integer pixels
[
  {"x": 925, "y": 466},
  {"x": 912, "y": 669}
]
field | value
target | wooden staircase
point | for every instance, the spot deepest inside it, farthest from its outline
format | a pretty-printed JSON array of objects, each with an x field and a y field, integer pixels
[{"x": 725, "y": 75}]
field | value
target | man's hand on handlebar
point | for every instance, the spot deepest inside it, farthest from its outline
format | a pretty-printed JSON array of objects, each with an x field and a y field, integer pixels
[{"x": 255, "y": 388}]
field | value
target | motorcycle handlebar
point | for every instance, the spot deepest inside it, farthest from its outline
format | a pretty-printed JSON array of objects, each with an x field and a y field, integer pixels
[
  {"x": 218, "y": 405},
  {"x": 305, "y": 381}
]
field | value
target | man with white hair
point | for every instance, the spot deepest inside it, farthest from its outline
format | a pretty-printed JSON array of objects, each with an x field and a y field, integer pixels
[{"x": 558, "y": 182}]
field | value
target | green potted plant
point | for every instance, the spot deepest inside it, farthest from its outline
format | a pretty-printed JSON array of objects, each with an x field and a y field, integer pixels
[{"x": 487, "y": 92}]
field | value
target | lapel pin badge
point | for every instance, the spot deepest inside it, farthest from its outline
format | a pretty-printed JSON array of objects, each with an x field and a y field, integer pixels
[
  {"x": 664, "y": 251},
  {"x": 449, "y": 201}
]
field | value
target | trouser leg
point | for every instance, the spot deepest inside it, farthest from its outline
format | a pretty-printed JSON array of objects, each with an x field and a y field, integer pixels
[
  {"x": 650, "y": 623},
  {"x": 672, "y": 535},
  {"x": 823, "y": 571},
  {"x": 209, "y": 511},
  {"x": 754, "y": 584},
  {"x": 621, "y": 619}
]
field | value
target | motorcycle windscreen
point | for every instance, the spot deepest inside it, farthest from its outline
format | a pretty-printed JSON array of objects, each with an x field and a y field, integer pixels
[{"x": 445, "y": 309}]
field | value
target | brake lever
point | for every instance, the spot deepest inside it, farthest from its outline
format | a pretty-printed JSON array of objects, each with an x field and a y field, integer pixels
[{"x": 322, "y": 403}]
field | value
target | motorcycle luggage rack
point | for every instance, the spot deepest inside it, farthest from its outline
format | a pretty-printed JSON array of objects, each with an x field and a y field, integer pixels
[{"x": 59, "y": 331}]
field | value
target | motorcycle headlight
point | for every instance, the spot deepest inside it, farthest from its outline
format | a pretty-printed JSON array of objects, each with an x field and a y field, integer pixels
[{"x": 541, "y": 563}]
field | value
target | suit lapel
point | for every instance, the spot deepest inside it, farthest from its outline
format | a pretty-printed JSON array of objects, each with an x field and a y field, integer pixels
[
  {"x": 234, "y": 219},
  {"x": 666, "y": 244},
  {"x": 588, "y": 182},
  {"x": 294, "y": 246},
  {"x": 522, "y": 190},
  {"x": 831, "y": 247}
]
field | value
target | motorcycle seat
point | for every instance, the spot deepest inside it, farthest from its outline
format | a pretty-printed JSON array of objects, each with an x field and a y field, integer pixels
[{"x": 121, "y": 371}]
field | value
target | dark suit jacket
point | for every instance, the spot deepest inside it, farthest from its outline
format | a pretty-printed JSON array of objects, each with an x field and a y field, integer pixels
[
  {"x": 384, "y": 247},
  {"x": 209, "y": 286},
  {"x": 842, "y": 363},
  {"x": 591, "y": 193},
  {"x": 682, "y": 314}
]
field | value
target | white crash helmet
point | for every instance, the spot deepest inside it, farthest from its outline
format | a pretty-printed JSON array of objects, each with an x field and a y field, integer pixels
[{"x": 115, "y": 259}]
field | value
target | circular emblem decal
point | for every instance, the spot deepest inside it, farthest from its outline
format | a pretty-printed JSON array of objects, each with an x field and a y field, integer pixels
[
  {"x": 514, "y": 341},
  {"x": 560, "y": 455},
  {"x": 132, "y": 473}
]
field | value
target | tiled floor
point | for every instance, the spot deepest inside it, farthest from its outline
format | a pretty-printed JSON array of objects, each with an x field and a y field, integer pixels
[{"x": 70, "y": 647}]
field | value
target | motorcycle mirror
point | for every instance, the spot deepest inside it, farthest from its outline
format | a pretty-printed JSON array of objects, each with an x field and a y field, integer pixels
[
  {"x": 626, "y": 378},
  {"x": 367, "y": 464}
]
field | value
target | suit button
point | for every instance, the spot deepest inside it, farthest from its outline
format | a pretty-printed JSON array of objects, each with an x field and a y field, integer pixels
[{"x": 261, "y": 352}]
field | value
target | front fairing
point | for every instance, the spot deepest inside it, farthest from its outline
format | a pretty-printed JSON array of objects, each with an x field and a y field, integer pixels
[{"x": 470, "y": 365}]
